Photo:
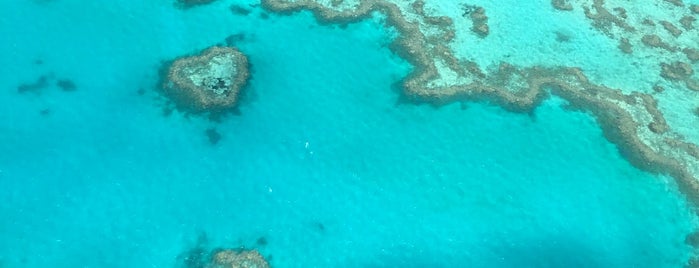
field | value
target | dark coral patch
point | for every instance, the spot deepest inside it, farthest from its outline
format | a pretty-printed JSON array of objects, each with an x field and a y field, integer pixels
[
  {"x": 261, "y": 241},
  {"x": 41, "y": 83},
  {"x": 192, "y": 3},
  {"x": 213, "y": 135},
  {"x": 239, "y": 10},
  {"x": 234, "y": 39},
  {"x": 66, "y": 85}
]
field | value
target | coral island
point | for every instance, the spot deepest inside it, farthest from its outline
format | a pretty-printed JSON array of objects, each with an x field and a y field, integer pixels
[{"x": 208, "y": 82}]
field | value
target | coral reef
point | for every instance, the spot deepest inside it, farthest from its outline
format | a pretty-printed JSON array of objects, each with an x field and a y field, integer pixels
[
  {"x": 233, "y": 39},
  {"x": 694, "y": 9},
  {"x": 480, "y": 22},
  {"x": 36, "y": 86},
  {"x": 671, "y": 28},
  {"x": 44, "y": 81},
  {"x": 632, "y": 121},
  {"x": 675, "y": 2},
  {"x": 261, "y": 241},
  {"x": 692, "y": 54},
  {"x": 621, "y": 11},
  {"x": 237, "y": 259},
  {"x": 239, "y": 10},
  {"x": 655, "y": 41},
  {"x": 687, "y": 22},
  {"x": 562, "y": 37},
  {"x": 213, "y": 135},
  {"x": 603, "y": 20},
  {"x": 208, "y": 82},
  {"x": 625, "y": 46},
  {"x": 679, "y": 71},
  {"x": 676, "y": 70},
  {"x": 66, "y": 85},
  {"x": 562, "y": 5},
  {"x": 201, "y": 256},
  {"x": 192, "y": 3}
]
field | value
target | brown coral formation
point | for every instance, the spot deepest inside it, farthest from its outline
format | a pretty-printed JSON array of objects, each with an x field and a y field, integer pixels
[
  {"x": 655, "y": 41},
  {"x": 625, "y": 46},
  {"x": 676, "y": 71},
  {"x": 692, "y": 54},
  {"x": 238, "y": 259},
  {"x": 480, "y": 22},
  {"x": 604, "y": 20},
  {"x": 336, "y": 3},
  {"x": 648, "y": 22},
  {"x": 210, "y": 81},
  {"x": 671, "y": 41},
  {"x": 692, "y": 84},
  {"x": 694, "y": 9},
  {"x": 419, "y": 7},
  {"x": 679, "y": 71},
  {"x": 562, "y": 5},
  {"x": 671, "y": 28},
  {"x": 621, "y": 11},
  {"x": 676, "y": 2},
  {"x": 687, "y": 22}
]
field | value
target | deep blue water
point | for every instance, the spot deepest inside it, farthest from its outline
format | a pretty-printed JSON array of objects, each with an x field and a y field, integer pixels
[{"x": 323, "y": 161}]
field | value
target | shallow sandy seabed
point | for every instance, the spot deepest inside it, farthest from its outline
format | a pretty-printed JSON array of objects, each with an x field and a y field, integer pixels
[{"x": 654, "y": 45}]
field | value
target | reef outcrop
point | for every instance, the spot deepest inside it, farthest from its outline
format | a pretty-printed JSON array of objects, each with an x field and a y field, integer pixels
[
  {"x": 208, "y": 82},
  {"x": 562, "y": 5},
  {"x": 625, "y": 46},
  {"x": 694, "y": 9},
  {"x": 480, "y": 22},
  {"x": 676, "y": 70},
  {"x": 654, "y": 41},
  {"x": 237, "y": 259},
  {"x": 203, "y": 255}
]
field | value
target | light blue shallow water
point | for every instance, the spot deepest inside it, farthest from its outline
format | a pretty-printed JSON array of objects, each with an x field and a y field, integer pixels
[{"x": 105, "y": 180}]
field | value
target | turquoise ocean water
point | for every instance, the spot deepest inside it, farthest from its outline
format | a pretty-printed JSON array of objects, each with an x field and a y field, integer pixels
[{"x": 324, "y": 162}]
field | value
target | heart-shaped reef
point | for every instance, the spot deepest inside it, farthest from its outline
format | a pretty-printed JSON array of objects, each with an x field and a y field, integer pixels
[{"x": 210, "y": 81}]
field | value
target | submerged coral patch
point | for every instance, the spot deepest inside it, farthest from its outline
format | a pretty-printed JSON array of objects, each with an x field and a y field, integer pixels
[
  {"x": 562, "y": 5},
  {"x": 201, "y": 255},
  {"x": 66, "y": 85},
  {"x": 239, "y": 10},
  {"x": 192, "y": 3},
  {"x": 238, "y": 259},
  {"x": 676, "y": 70},
  {"x": 36, "y": 86},
  {"x": 44, "y": 81},
  {"x": 213, "y": 135},
  {"x": 480, "y": 22}
]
